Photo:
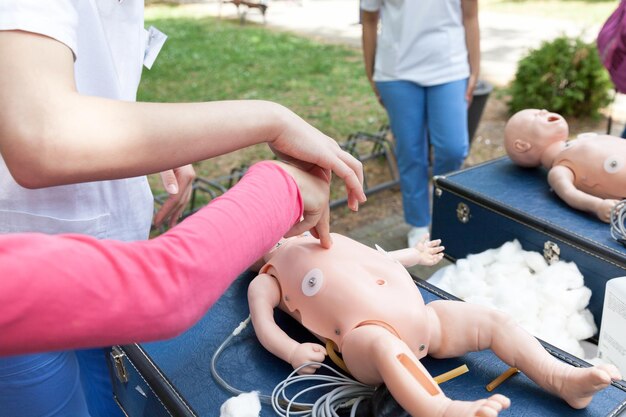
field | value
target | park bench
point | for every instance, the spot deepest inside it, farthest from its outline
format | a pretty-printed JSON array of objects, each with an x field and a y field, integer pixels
[{"x": 260, "y": 5}]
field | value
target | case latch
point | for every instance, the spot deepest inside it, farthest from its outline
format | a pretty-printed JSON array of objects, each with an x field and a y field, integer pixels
[
  {"x": 117, "y": 359},
  {"x": 463, "y": 212},
  {"x": 551, "y": 252}
]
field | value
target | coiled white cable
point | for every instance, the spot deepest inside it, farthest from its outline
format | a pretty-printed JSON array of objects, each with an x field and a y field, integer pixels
[
  {"x": 347, "y": 392},
  {"x": 618, "y": 222}
]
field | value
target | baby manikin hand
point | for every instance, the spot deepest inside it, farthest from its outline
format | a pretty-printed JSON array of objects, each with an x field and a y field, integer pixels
[
  {"x": 430, "y": 251},
  {"x": 307, "y": 352},
  {"x": 604, "y": 208}
]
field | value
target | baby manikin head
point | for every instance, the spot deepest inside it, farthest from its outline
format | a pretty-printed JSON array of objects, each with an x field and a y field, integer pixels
[{"x": 529, "y": 132}]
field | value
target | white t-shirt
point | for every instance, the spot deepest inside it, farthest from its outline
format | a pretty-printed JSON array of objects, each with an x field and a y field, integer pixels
[
  {"x": 420, "y": 40},
  {"x": 108, "y": 41}
]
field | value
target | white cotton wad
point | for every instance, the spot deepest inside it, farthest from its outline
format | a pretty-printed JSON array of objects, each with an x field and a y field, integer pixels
[
  {"x": 243, "y": 405},
  {"x": 549, "y": 301}
]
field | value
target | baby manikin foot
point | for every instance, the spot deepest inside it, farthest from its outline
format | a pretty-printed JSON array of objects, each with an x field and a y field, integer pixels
[
  {"x": 489, "y": 407},
  {"x": 580, "y": 384}
]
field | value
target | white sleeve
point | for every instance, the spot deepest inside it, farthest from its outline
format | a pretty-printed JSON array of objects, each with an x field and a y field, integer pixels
[
  {"x": 57, "y": 19},
  {"x": 371, "y": 5}
]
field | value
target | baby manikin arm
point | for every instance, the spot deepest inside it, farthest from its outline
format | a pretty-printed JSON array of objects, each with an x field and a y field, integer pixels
[
  {"x": 263, "y": 297},
  {"x": 426, "y": 252},
  {"x": 561, "y": 179}
]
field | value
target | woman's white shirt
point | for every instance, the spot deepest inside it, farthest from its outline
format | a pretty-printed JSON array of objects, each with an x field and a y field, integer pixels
[
  {"x": 108, "y": 41},
  {"x": 420, "y": 40}
]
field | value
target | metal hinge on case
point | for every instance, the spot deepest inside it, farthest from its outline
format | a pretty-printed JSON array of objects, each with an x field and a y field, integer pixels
[
  {"x": 463, "y": 212},
  {"x": 117, "y": 358},
  {"x": 551, "y": 252}
]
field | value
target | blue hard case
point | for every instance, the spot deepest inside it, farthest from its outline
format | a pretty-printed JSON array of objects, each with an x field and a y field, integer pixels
[
  {"x": 173, "y": 377},
  {"x": 483, "y": 207}
]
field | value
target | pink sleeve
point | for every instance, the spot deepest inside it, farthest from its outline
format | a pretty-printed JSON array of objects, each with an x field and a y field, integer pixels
[{"x": 71, "y": 291}]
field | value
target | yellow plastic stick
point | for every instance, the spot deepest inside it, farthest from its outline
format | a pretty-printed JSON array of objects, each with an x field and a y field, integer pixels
[
  {"x": 330, "y": 350},
  {"x": 446, "y": 376},
  {"x": 503, "y": 377}
]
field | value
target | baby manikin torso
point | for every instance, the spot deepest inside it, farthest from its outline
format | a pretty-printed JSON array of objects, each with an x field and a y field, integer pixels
[
  {"x": 332, "y": 291},
  {"x": 598, "y": 164}
]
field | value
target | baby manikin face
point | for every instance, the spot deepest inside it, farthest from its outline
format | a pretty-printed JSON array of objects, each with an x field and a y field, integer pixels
[{"x": 546, "y": 126}]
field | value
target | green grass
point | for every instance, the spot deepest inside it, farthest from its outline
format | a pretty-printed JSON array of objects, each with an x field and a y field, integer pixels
[
  {"x": 206, "y": 59},
  {"x": 586, "y": 13}
]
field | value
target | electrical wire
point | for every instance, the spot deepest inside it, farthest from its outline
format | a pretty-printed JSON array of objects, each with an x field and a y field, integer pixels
[
  {"x": 347, "y": 391},
  {"x": 618, "y": 222},
  {"x": 342, "y": 391}
]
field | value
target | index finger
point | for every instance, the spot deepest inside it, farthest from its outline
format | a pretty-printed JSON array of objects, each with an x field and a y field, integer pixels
[{"x": 323, "y": 228}]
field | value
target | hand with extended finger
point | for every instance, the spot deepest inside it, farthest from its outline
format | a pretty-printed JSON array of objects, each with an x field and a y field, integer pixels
[{"x": 314, "y": 189}]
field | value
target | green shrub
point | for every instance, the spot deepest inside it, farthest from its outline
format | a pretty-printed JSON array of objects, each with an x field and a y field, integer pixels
[{"x": 565, "y": 76}]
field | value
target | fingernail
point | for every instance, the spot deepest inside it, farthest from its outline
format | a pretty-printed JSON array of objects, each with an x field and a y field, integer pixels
[{"x": 172, "y": 189}]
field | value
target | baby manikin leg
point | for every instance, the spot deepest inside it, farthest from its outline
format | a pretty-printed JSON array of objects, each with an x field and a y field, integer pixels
[
  {"x": 374, "y": 355},
  {"x": 460, "y": 327}
]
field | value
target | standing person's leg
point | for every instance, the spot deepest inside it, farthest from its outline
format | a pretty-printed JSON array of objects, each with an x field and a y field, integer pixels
[
  {"x": 405, "y": 105},
  {"x": 41, "y": 385},
  {"x": 624, "y": 133},
  {"x": 96, "y": 382},
  {"x": 446, "y": 109}
]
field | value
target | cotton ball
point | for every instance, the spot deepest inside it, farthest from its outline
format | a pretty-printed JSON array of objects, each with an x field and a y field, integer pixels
[
  {"x": 466, "y": 284},
  {"x": 575, "y": 300},
  {"x": 553, "y": 319},
  {"x": 562, "y": 275},
  {"x": 463, "y": 265},
  {"x": 535, "y": 261},
  {"x": 448, "y": 278},
  {"x": 243, "y": 405},
  {"x": 484, "y": 258},
  {"x": 574, "y": 279},
  {"x": 581, "y": 326},
  {"x": 501, "y": 272},
  {"x": 510, "y": 252},
  {"x": 521, "y": 305},
  {"x": 477, "y": 268},
  {"x": 552, "y": 329},
  {"x": 512, "y": 305},
  {"x": 531, "y": 324}
]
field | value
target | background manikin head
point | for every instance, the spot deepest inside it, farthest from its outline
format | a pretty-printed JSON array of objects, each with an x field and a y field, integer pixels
[{"x": 529, "y": 132}]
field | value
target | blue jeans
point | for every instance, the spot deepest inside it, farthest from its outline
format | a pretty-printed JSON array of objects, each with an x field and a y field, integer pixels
[
  {"x": 57, "y": 384},
  {"x": 419, "y": 116}
]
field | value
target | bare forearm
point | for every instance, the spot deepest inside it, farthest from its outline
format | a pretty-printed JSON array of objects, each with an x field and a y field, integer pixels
[
  {"x": 51, "y": 135},
  {"x": 368, "y": 41},
  {"x": 472, "y": 34},
  {"x": 108, "y": 139}
]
